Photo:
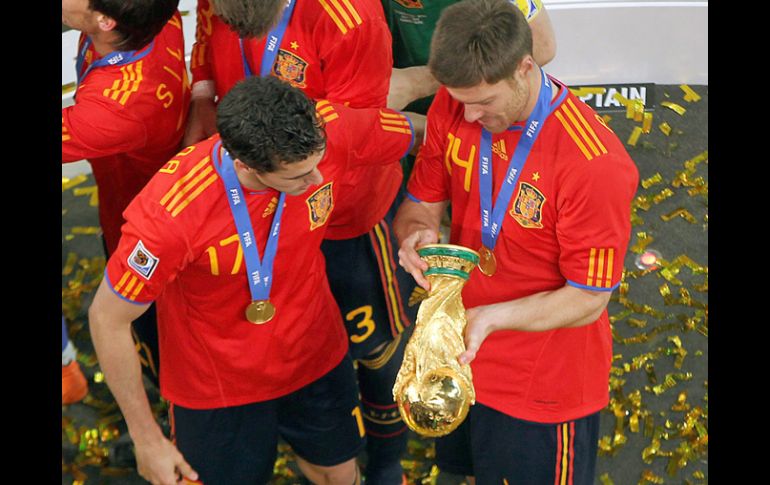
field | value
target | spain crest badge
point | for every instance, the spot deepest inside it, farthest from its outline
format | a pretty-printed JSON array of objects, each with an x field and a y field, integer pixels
[
  {"x": 320, "y": 205},
  {"x": 528, "y": 207},
  {"x": 290, "y": 68}
]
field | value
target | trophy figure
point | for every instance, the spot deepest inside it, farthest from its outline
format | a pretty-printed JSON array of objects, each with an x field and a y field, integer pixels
[{"x": 432, "y": 390}]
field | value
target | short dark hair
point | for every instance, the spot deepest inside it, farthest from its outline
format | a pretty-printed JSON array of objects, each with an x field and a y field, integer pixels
[
  {"x": 137, "y": 21},
  {"x": 264, "y": 121},
  {"x": 479, "y": 40},
  {"x": 249, "y": 18}
]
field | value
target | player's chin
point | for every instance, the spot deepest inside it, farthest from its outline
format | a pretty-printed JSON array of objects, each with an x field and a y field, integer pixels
[
  {"x": 298, "y": 191},
  {"x": 494, "y": 127}
]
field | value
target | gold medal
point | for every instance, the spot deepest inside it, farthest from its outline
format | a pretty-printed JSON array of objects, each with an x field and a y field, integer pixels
[
  {"x": 487, "y": 261},
  {"x": 260, "y": 311}
]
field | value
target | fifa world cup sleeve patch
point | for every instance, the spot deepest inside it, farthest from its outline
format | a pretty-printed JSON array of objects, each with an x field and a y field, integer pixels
[{"x": 142, "y": 260}]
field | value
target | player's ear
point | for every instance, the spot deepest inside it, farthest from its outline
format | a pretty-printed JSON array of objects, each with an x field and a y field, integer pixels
[
  {"x": 106, "y": 23},
  {"x": 526, "y": 65}
]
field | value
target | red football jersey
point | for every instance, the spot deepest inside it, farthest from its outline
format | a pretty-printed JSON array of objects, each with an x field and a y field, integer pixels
[
  {"x": 180, "y": 247},
  {"x": 568, "y": 221},
  {"x": 340, "y": 51},
  {"x": 127, "y": 121}
]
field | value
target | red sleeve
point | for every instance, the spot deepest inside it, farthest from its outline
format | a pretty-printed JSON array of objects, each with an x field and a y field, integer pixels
[
  {"x": 357, "y": 69},
  {"x": 94, "y": 127},
  {"x": 376, "y": 135},
  {"x": 152, "y": 250},
  {"x": 199, "y": 59},
  {"x": 594, "y": 221},
  {"x": 431, "y": 180}
]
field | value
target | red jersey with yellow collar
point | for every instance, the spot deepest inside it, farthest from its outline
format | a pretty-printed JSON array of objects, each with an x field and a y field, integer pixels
[
  {"x": 180, "y": 247},
  {"x": 568, "y": 221},
  {"x": 127, "y": 121},
  {"x": 335, "y": 50}
]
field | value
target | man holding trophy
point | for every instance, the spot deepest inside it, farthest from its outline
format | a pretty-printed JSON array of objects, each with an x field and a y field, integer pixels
[{"x": 540, "y": 191}]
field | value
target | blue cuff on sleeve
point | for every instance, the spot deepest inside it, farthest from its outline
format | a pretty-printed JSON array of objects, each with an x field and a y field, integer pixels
[
  {"x": 412, "y": 198},
  {"x": 592, "y": 288},
  {"x": 411, "y": 128},
  {"x": 106, "y": 277}
]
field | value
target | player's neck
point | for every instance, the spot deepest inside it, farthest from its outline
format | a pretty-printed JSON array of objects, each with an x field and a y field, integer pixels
[
  {"x": 247, "y": 178},
  {"x": 535, "y": 85},
  {"x": 104, "y": 43}
]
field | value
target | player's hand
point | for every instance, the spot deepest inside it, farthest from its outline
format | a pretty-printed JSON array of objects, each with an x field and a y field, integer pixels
[
  {"x": 201, "y": 122},
  {"x": 479, "y": 326},
  {"x": 410, "y": 260},
  {"x": 160, "y": 463}
]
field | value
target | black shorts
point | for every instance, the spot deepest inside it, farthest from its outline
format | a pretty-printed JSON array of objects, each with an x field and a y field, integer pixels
[
  {"x": 322, "y": 422},
  {"x": 497, "y": 448},
  {"x": 372, "y": 290}
]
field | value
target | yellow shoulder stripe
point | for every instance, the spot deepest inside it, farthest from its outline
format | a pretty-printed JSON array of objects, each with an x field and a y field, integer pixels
[
  {"x": 600, "y": 261},
  {"x": 395, "y": 122},
  {"x": 130, "y": 281},
  {"x": 132, "y": 77},
  {"x": 587, "y": 127},
  {"x": 579, "y": 130},
  {"x": 342, "y": 13},
  {"x": 186, "y": 189}
]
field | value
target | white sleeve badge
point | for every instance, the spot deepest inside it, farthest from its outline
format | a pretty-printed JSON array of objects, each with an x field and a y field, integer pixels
[{"x": 143, "y": 261}]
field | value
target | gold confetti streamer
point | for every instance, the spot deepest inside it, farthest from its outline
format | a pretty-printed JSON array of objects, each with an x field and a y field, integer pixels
[
  {"x": 605, "y": 479},
  {"x": 670, "y": 381},
  {"x": 679, "y": 351},
  {"x": 620, "y": 316},
  {"x": 681, "y": 402},
  {"x": 67, "y": 183},
  {"x": 670, "y": 275},
  {"x": 649, "y": 477},
  {"x": 636, "y": 323},
  {"x": 642, "y": 241},
  {"x": 689, "y": 95},
  {"x": 637, "y": 131},
  {"x": 643, "y": 202},
  {"x": 654, "y": 180},
  {"x": 85, "y": 230},
  {"x": 681, "y": 212},
  {"x": 69, "y": 265},
  {"x": 607, "y": 119},
  {"x": 621, "y": 99},
  {"x": 68, "y": 87},
  {"x": 680, "y": 110},
  {"x": 665, "y": 128},
  {"x": 692, "y": 163},
  {"x": 647, "y": 122},
  {"x": 91, "y": 191},
  {"x": 662, "y": 195}
]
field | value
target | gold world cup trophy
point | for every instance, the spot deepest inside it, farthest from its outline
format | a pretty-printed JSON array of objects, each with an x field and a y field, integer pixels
[{"x": 432, "y": 390}]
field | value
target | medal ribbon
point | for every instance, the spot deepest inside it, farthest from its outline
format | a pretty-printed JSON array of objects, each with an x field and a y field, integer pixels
[
  {"x": 116, "y": 58},
  {"x": 260, "y": 271},
  {"x": 272, "y": 43},
  {"x": 492, "y": 217}
]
